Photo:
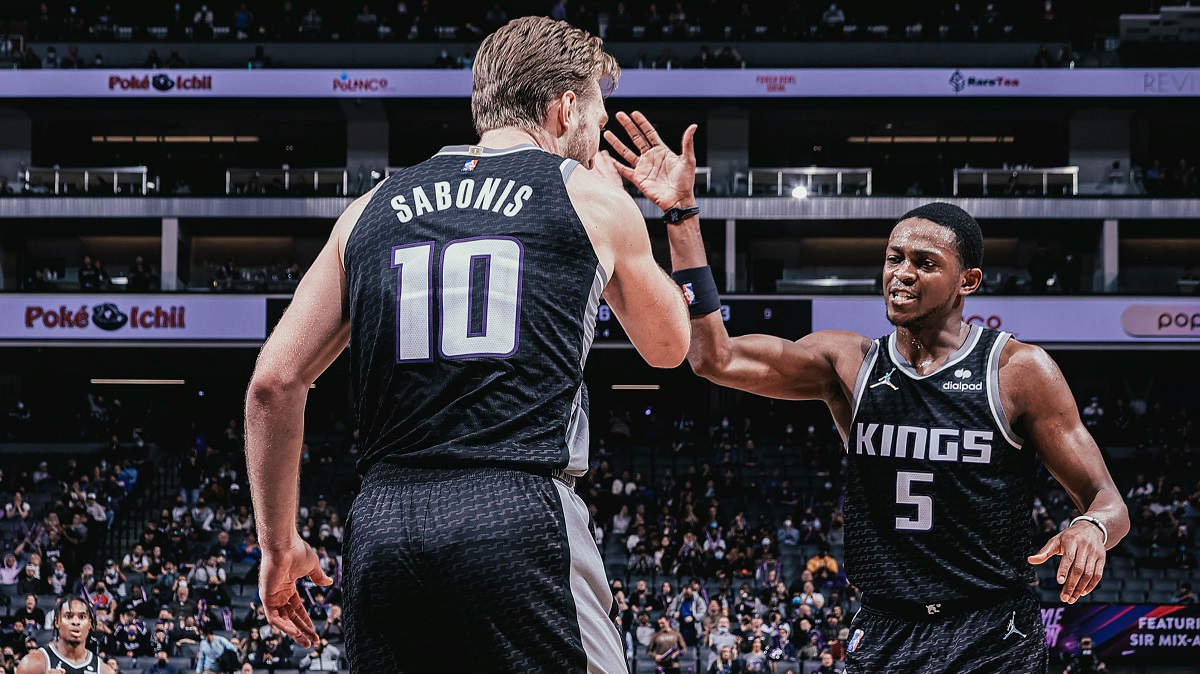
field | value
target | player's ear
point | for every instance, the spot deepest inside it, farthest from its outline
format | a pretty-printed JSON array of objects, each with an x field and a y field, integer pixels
[
  {"x": 563, "y": 110},
  {"x": 970, "y": 280},
  {"x": 571, "y": 108}
]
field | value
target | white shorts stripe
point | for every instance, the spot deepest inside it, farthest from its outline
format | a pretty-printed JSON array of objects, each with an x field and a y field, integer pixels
[{"x": 589, "y": 589}]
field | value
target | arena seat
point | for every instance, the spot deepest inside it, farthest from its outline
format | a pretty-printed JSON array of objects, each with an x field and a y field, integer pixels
[
  {"x": 1160, "y": 597},
  {"x": 1150, "y": 573},
  {"x": 1163, "y": 585}
]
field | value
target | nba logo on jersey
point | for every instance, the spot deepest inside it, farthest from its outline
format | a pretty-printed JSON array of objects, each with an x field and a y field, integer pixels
[
  {"x": 469, "y": 165},
  {"x": 689, "y": 293},
  {"x": 855, "y": 641}
]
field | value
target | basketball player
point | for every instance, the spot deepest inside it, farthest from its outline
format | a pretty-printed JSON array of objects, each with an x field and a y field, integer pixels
[
  {"x": 67, "y": 653},
  {"x": 942, "y": 421},
  {"x": 468, "y": 287}
]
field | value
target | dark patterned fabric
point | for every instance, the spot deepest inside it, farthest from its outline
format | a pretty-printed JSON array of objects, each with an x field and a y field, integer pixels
[
  {"x": 473, "y": 570},
  {"x": 967, "y": 643},
  {"x": 480, "y": 361},
  {"x": 937, "y": 497}
]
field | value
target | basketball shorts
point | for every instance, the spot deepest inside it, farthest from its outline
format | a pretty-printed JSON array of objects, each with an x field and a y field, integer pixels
[
  {"x": 1004, "y": 638},
  {"x": 474, "y": 570}
]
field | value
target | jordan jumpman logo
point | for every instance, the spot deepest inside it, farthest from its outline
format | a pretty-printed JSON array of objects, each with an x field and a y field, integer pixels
[
  {"x": 1012, "y": 627},
  {"x": 886, "y": 380}
]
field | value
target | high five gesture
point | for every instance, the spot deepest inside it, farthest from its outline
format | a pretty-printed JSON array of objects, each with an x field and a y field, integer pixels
[{"x": 664, "y": 177}]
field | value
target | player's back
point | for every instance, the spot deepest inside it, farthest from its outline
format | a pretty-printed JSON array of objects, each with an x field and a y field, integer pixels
[{"x": 473, "y": 295}]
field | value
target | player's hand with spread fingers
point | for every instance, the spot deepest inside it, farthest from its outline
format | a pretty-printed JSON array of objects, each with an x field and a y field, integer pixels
[
  {"x": 277, "y": 586},
  {"x": 664, "y": 177},
  {"x": 1082, "y": 566}
]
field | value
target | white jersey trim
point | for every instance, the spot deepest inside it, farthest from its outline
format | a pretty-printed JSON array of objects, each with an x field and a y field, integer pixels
[
  {"x": 82, "y": 665},
  {"x": 993, "y": 392},
  {"x": 965, "y": 350},
  {"x": 479, "y": 151},
  {"x": 864, "y": 373},
  {"x": 577, "y": 431}
]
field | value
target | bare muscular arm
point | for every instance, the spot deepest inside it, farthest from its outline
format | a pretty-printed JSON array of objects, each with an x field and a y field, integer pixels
[
  {"x": 811, "y": 368},
  {"x": 1037, "y": 397}
]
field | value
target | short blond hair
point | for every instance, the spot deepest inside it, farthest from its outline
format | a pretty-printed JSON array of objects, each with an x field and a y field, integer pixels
[{"x": 528, "y": 63}]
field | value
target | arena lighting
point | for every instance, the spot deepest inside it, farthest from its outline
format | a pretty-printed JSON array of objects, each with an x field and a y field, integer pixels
[
  {"x": 635, "y": 387},
  {"x": 175, "y": 139},
  {"x": 915, "y": 140},
  {"x": 140, "y": 382},
  {"x": 800, "y": 192}
]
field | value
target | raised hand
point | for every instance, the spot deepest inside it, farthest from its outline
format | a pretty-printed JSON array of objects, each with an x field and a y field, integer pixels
[{"x": 664, "y": 177}]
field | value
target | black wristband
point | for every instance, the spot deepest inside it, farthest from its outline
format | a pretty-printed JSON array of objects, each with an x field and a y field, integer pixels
[
  {"x": 699, "y": 290},
  {"x": 674, "y": 215}
]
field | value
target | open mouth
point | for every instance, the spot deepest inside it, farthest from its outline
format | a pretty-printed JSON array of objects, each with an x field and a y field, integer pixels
[{"x": 901, "y": 297}]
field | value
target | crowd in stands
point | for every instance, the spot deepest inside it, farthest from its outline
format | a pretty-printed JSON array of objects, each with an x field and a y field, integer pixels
[
  {"x": 231, "y": 276},
  {"x": 724, "y": 544},
  {"x": 140, "y": 277},
  {"x": 733, "y": 538},
  {"x": 55, "y": 522},
  {"x": 178, "y": 588},
  {"x": 55, "y": 20}
]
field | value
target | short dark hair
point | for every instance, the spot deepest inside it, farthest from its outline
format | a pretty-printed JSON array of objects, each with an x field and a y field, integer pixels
[{"x": 967, "y": 234}]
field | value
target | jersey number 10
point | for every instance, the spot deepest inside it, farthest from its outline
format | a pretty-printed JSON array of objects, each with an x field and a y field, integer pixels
[{"x": 471, "y": 321}]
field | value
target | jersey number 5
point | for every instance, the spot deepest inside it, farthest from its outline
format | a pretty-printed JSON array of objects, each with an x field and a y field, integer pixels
[
  {"x": 478, "y": 302},
  {"x": 904, "y": 496}
]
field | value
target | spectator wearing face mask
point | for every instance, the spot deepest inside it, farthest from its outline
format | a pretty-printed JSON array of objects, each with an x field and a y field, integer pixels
[
  {"x": 686, "y": 610},
  {"x": 788, "y": 534},
  {"x": 323, "y": 658},
  {"x": 161, "y": 665},
  {"x": 720, "y": 639}
]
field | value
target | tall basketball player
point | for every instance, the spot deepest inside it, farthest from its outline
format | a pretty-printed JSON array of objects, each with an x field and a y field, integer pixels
[
  {"x": 67, "y": 653},
  {"x": 468, "y": 287},
  {"x": 941, "y": 421}
]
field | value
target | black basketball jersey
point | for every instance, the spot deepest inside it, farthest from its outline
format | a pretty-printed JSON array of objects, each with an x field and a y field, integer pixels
[
  {"x": 473, "y": 297},
  {"x": 90, "y": 664},
  {"x": 938, "y": 490}
]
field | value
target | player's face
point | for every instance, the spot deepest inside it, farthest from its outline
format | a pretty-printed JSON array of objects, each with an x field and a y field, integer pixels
[
  {"x": 583, "y": 139},
  {"x": 73, "y": 623},
  {"x": 922, "y": 275}
]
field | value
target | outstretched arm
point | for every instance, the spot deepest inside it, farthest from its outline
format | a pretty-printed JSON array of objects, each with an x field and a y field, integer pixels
[
  {"x": 1046, "y": 410},
  {"x": 763, "y": 364}
]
